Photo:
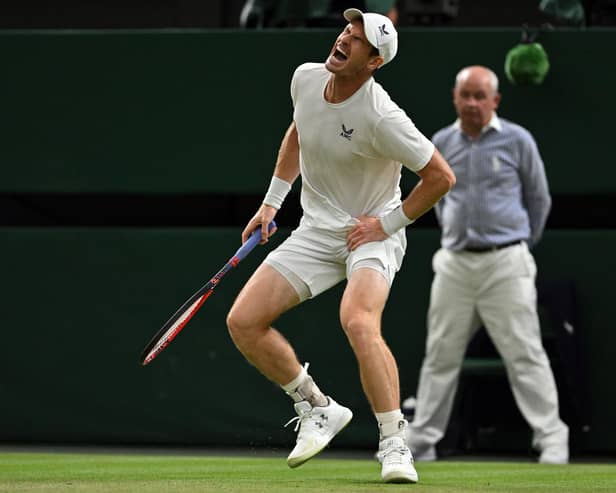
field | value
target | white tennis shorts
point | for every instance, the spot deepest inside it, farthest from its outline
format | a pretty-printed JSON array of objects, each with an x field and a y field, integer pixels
[{"x": 314, "y": 260}]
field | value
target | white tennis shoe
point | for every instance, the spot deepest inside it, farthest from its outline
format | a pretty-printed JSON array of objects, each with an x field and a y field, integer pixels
[
  {"x": 396, "y": 461},
  {"x": 555, "y": 454},
  {"x": 317, "y": 426}
]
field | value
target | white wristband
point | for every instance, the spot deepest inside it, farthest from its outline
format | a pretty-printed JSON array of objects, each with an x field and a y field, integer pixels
[
  {"x": 395, "y": 220},
  {"x": 277, "y": 192}
]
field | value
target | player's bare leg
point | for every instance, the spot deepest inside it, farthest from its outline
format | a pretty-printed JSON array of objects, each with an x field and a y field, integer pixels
[
  {"x": 360, "y": 314},
  {"x": 264, "y": 298},
  {"x": 266, "y": 295}
]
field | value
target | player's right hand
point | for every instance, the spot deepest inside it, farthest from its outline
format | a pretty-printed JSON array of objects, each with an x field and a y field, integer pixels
[{"x": 263, "y": 217}]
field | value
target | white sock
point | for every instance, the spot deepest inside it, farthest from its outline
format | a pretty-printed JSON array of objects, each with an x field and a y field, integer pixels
[
  {"x": 391, "y": 423},
  {"x": 293, "y": 384},
  {"x": 303, "y": 388}
]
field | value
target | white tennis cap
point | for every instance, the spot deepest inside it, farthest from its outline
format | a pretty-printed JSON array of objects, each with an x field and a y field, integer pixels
[{"x": 379, "y": 30}]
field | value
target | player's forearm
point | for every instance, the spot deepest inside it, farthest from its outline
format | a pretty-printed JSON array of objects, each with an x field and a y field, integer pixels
[
  {"x": 287, "y": 163},
  {"x": 423, "y": 197},
  {"x": 437, "y": 179},
  {"x": 286, "y": 170}
]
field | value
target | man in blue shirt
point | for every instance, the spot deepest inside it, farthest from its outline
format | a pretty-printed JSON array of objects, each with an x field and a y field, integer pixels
[{"x": 484, "y": 272}]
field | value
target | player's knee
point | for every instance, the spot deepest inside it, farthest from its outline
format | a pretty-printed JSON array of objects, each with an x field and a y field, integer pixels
[
  {"x": 237, "y": 325},
  {"x": 244, "y": 327},
  {"x": 362, "y": 332}
]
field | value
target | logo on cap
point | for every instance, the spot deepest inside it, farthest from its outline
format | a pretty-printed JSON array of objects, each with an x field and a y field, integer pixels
[{"x": 382, "y": 30}]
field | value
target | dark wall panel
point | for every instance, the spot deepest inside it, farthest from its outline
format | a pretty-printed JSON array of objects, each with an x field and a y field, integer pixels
[
  {"x": 79, "y": 305},
  {"x": 204, "y": 111}
]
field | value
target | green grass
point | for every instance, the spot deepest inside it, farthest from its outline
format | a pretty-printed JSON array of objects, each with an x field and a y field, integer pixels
[{"x": 124, "y": 473}]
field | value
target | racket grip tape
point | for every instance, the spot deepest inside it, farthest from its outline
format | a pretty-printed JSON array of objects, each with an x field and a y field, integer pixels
[{"x": 251, "y": 243}]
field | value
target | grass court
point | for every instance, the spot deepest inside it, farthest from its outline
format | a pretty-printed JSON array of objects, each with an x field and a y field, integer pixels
[{"x": 148, "y": 473}]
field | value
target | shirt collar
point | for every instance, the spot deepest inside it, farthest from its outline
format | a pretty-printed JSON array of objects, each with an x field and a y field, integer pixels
[{"x": 494, "y": 123}]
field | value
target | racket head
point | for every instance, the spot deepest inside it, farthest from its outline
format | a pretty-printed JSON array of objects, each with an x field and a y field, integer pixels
[{"x": 173, "y": 326}]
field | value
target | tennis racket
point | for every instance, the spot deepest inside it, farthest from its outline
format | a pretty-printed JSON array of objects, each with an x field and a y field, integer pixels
[{"x": 180, "y": 318}]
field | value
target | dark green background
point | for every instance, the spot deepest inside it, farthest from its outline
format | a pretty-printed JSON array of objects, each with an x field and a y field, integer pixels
[
  {"x": 79, "y": 305},
  {"x": 171, "y": 112},
  {"x": 199, "y": 111}
]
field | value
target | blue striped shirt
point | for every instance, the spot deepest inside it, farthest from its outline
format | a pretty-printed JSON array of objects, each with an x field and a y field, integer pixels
[{"x": 501, "y": 193}]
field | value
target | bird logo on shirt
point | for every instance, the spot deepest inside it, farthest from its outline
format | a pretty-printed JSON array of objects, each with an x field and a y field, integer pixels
[{"x": 346, "y": 133}]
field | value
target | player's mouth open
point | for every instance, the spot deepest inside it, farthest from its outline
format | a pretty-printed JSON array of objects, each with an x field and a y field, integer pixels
[{"x": 338, "y": 55}]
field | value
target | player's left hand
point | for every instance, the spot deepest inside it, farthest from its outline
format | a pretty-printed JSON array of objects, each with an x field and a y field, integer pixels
[{"x": 367, "y": 229}]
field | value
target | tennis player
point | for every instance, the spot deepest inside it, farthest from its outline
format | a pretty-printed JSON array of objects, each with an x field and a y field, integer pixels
[{"x": 348, "y": 140}]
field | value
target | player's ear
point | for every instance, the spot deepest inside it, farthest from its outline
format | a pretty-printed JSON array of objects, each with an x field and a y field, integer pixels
[{"x": 375, "y": 62}]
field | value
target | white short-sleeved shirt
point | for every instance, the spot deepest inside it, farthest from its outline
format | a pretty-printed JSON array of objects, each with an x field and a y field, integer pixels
[{"x": 351, "y": 152}]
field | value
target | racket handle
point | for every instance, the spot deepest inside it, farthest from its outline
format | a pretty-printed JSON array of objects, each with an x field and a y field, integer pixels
[{"x": 251, "y": 242}]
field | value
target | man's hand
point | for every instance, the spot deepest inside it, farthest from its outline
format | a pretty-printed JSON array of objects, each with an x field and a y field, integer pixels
[
  {"x": 366, "y": 230},
  {"x": 263, "y": 217}
]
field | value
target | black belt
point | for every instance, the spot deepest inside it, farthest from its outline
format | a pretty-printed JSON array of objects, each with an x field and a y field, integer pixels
[{"x": 493, "y": 248}]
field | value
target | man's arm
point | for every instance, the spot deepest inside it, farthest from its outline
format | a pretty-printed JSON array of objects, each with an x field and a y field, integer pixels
[
  {"x": 287, "y": 163},
  {"x": 437, "y": 179},
  {"x": 536, "y": 194},
  {"x": 285, "y": 173}
]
